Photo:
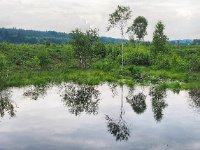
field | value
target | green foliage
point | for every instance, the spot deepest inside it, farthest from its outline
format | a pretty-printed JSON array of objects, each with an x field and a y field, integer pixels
[
  {"x": 3, "y": 67},
  {"x": 32, "y": 37},
  {"x": 100, "y": 50},
  {"x": 113, "y": 51},
  {"x": 135, "y": 72},
  {"x": 33, "y": 63},
  {"x": 194, "y": 62},
  {"x": 50, "y": 57},
  {"x": 178, "y": 63},
  {"x": 63, "y": 53},
  {"x": 119, "y": 18},
  {"x": 27, "y": 64},
  {"x": 20, "y": 36},
  {"x": 137, "y": 56},
  {"x": 43, "y": 57},
  {"x": 159, "y": 38},
  {"x": 170, "y": 61},
  {"x": 162, "y": 62},
  {"x": 82, "y": 44},
  {"x": 196, "y": 42},
  {"x": 3, "y": 63},
  {"x": 105, "y": 65},
  {"x": 139, "y": 27}
]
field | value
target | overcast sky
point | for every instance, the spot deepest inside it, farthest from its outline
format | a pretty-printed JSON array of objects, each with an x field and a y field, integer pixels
[{"x": 181, "y": 17}]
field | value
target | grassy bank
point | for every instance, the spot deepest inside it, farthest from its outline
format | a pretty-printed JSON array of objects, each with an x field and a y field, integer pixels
[
  {"x": 89, "y": 77},
  {"x": 174, "y": 81},
  {"x": 27, "y": 64}
]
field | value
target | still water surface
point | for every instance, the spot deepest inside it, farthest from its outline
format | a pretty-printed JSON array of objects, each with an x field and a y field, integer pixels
[{"x": 107, "y": 116}]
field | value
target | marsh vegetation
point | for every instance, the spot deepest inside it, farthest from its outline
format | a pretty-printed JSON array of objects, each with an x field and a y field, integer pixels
[
  {"x": 86, "y": 59},
  {"x": 26, "y": 64}
]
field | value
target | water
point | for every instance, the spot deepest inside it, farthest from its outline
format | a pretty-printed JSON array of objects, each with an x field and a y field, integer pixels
[{"x": 107, "y": 117}]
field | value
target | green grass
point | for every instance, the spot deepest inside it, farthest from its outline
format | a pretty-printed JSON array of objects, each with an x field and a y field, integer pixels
[
  {"x": 163, "y": 78},
  {"x": 28, "y": 64},
  {"x": 90, "y": 77}
]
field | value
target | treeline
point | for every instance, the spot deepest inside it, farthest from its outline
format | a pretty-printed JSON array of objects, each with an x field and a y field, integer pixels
[
  {"x": 32, "y": 37},
  {"x": 19, "y": 36},
  {"x": 196, "y": 42}
]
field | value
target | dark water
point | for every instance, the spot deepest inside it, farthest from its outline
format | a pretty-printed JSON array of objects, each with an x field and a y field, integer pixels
[{"x": 102, "y": 117}]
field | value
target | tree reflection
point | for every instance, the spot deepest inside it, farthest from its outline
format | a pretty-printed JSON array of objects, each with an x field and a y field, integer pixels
[
  {"x": 36, "y": 92},
  {"x": 195, "y": 99},
  {"x": 113, "y": 88},
  {"x": 81, "y": 98},
  {"x": 158, "y": 102},
  {"x": 6, "y": 105},
  {"x": 138, "y": 103},
  {"x": 118, "y": 127}
]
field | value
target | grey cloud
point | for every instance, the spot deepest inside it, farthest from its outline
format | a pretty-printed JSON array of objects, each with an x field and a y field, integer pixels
[{"x": 182, "y": 18}]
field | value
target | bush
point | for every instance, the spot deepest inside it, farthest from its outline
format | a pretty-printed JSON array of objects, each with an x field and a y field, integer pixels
[
  {"x": 3, "y": 66},
  {"x": 140, "y": 56},
  {"x": 43, "y": 57},
  {"x": 33, "y": 64},
  {"x": 113, "y": 51},
  {"x": 3, "y": 62},
  {"x": 162, "y": 62},
  {"x": 194, "y": 63},
  {"x": 104, "y": 65},
  {"x": 135, "y": 72},
  {"x": 178, "y": 63},
  {"x": 99, "y": 50}
]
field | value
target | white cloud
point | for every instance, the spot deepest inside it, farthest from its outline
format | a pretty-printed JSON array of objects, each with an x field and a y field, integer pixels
[{"x": 182, "y": 18}]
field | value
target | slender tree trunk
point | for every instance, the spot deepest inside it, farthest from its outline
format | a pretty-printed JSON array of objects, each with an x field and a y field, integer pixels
[{"x": 122, "y": 65}]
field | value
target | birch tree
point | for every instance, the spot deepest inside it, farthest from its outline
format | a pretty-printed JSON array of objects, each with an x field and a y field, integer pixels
[{"x": 119, "y": 19}]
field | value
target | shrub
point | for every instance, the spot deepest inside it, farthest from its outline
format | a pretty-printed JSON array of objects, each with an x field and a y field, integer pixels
[
  {"x": 99, "y": 50},
  {"x": 113, "y": 51},
  {"x": 3, "y": 66},
  {"x": 194, "y": 63},
  {"x": 33, "y": 63},
  {"x": 43, "y": 57},
  {"x": 135, "y": 72},
  {"x": 140, "y": 56},
  {"x": 162, "y": 62},
  {"x": 177, "y": 63},
  {"x": 104, "y": 65},
  {"x": 3, "y": 62}
]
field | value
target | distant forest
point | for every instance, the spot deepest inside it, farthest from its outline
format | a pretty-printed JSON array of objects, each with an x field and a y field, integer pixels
[{"x": 19, "y": 36}]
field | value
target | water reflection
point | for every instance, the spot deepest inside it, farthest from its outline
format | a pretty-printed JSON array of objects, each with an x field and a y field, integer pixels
[
  {"x": 158, "y": 102},
  {"x": 118, "y": 127},
  {"x": 6, "y": 105},
  {"x": 194, "y": 99},
  {"x": 113, "y": 88},
  {"x": 137, "y": 102},
  {"x": 48, "y": 126},
  {"x": 81, "y": 98},
  {"x": 36, "y": 92}
]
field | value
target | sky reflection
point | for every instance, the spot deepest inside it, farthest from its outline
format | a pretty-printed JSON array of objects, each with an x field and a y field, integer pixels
[{"x": 48, "y": 122}]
